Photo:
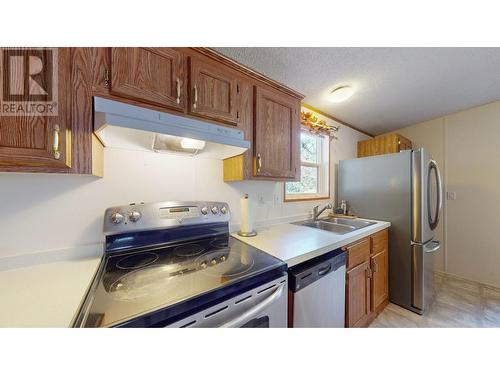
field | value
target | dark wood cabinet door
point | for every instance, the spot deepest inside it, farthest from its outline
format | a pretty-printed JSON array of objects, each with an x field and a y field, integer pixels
[
  {"x": 213, "y": 91},
  {"x": 39, "y": 143},
  {"x": 276, "y": 135},
  {"x": 380, "y": 279},
  {"x": 153, "y": 75},
  {"x": 98, "y": 61},
  {"x": 358, "y": 295}
]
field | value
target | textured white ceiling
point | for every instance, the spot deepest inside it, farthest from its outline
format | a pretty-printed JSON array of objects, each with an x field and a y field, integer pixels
[{"x": 395, "y": 86}]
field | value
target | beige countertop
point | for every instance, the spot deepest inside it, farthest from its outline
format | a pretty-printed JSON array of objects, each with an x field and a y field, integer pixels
[
  {"x": 295, "y": 244},
  {"x": 45, "y": 295}
]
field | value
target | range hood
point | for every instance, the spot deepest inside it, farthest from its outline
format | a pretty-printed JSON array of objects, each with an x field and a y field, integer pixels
[{"x": 127, "y": 126}]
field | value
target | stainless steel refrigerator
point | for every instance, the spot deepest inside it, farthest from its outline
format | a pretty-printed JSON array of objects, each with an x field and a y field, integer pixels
[{"x": 404, "y": 188}]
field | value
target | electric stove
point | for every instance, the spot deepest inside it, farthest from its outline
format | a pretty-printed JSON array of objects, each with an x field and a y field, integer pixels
[{"x": 167, "y": 261}]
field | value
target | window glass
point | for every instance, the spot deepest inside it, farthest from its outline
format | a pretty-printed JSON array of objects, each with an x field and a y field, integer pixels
[
  {"x": 308, "y": 148},
  {"x": 308, "y": 183},
  {"x": 315, "y": 169}
]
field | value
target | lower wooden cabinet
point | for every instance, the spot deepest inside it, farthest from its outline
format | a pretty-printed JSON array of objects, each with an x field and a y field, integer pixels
[
  {"x": 358, "y": 295},
  {"x": 379, "y": 280},
  {"x": 367, "y": 279}
]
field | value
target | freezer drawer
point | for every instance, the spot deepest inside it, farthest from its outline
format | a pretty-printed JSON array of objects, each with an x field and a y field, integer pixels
[{"x": 423, "y": 275}]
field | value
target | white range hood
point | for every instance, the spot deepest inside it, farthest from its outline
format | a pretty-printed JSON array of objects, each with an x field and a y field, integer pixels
[{"x": 127, "y": 126}]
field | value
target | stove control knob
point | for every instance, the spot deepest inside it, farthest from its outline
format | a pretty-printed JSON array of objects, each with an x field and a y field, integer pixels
[
  {"x": 213, "y": 262},
  {"x": 117, "y": 218},
  {"x": 204, "y": 210},
  {"x": 223, "y": 210},
  {"x": 215, "y": 210},
  {"x": 134, "y": 216}
]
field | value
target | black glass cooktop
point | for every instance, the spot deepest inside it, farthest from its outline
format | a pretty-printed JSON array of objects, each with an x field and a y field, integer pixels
[{"x": 133, "y": 283}]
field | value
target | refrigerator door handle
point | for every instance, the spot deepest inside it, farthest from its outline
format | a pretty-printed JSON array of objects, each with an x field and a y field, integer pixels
[
  {"x": 432, "y": 246},
  {"x": 439, "y": 205}
]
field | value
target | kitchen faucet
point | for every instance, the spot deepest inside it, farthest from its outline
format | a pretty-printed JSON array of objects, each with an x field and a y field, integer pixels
[{"x": 317, "y": 211}]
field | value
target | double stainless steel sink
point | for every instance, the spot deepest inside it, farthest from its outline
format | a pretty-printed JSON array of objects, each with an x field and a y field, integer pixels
[{"x": 336, "y": 224}]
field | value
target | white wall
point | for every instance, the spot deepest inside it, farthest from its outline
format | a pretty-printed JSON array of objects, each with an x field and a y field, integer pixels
[
  {"x": 42, "y": 212},
  {"x": 467, "y": 146}
]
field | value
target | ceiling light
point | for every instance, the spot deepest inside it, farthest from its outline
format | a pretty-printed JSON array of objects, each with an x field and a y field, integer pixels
[
  {"x": 340, "y": 94},
  {"x": 192, "y": 144}
]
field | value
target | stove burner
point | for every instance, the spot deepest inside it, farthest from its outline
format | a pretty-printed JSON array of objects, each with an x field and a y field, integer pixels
[
  {"x": 135, "y": 261},
  {"x": 188, "y": 250},
  {"x": 224, "y": 263},
  {"x": 220, "y": 243},
  {"x": 146, "y": 282}
]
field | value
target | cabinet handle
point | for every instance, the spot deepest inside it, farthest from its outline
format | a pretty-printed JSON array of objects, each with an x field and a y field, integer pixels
[
  {"x": 106, "y": 78},
  {"x": 178, "y": 89},
  {"x": 259, "y": 163},
  {"x": 55, "y": 144},
  {"x": 195, "y": 96},
  {"x": 368, "y": 273},
  {"x": 375, "y": 266}
]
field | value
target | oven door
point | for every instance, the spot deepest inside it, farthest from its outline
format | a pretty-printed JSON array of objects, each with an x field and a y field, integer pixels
[{"x": 262, "y": 307}]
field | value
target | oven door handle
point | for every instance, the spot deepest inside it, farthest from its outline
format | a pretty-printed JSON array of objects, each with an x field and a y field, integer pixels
[{"x": 254, "y": 311}]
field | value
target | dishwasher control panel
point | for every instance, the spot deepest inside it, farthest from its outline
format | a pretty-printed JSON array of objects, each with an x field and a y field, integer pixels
[{"x": 312, "y": 270}]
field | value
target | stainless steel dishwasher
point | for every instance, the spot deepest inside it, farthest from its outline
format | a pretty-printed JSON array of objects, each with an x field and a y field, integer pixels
[{"x": 317, "y": 292}]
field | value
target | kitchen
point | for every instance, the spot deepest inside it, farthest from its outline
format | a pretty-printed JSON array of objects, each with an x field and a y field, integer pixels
[
  {"x": 126, "y": 133},
  {"x": 233, "y": 192}
]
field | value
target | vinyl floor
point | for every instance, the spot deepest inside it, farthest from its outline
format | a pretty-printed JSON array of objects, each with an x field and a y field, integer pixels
[{"x": 458, "y": 303}]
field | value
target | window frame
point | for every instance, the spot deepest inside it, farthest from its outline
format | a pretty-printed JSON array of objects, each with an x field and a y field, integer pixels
[{"x": 324, "y": 170}]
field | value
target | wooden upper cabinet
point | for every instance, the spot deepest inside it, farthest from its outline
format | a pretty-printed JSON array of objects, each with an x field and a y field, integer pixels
[
  {"x": 380, "y": 279},
  {"x": 358, "y": 295},
  {"x": 276, "y": 135},
  {"x": 383, "y": 144},
  {"x": 213, "y": 91},
  {"x": 97, "y": 62},
  {"x": 38, "y": 143},
  {"x": 153, "y": 75}
]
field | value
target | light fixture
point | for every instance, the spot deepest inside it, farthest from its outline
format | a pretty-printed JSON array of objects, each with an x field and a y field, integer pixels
[
  {"x": 341, "y": 93},
  {"x": 192, "y": 144},
  {"x": 171, "y": 143}
]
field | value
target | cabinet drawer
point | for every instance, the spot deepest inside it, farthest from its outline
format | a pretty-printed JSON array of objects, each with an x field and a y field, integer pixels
[
  {"x": 380, "y": 241},
  {"x": 358, "y": 252}
]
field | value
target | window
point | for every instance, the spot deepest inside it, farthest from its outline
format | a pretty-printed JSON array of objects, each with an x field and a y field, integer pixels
[{"x": 314, "y": 169}]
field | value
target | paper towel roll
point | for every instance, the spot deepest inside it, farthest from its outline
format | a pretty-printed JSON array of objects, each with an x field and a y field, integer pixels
[{"x": 246, "y": 215}]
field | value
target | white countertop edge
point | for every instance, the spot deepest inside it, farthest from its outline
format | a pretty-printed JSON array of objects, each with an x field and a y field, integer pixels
[
  {"x": 335, "y": 244},
  {"x": 45, "y": 295},
  {"x": 52, "y": 256},
  {"x": 234, "y": 227},
  {"x": 315, "y": 253}
]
